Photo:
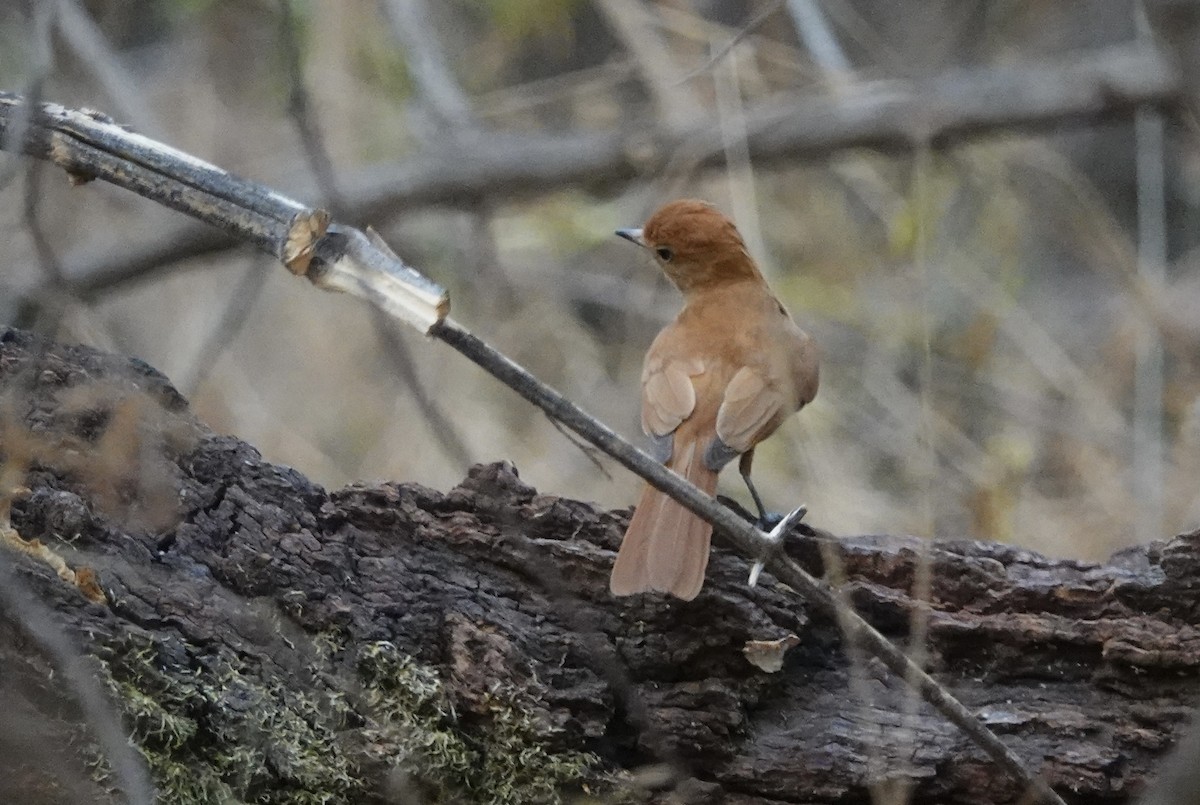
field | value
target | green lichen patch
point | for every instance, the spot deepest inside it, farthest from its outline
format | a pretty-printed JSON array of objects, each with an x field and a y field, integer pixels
[
  {"x": 214, "y": 728},
  {"x": 500, "y": 758},
  {"x": 213, "y": 732}
]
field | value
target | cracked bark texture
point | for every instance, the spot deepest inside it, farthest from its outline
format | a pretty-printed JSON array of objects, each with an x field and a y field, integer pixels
[{"x": 268, "y": 640}]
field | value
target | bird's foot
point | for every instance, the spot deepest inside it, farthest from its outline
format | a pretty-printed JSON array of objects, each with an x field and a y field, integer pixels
[
  {"x": 765, "y": 521},
  {"x": 775, "y": 536},
  {"x": 768, "y": 521}
]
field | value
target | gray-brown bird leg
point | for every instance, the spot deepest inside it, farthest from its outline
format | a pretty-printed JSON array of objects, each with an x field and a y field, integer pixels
[{"x": 744, "y": 468}]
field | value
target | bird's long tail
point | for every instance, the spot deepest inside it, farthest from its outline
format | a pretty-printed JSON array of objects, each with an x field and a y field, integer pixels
[{"x": 666, "y": 546}]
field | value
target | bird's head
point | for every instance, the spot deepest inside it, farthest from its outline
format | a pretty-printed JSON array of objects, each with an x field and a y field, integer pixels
[{"x": 695, "y": 245}]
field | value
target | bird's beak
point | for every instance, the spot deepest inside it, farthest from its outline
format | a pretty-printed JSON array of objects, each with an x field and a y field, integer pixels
[{"x": 633, "y": 236}]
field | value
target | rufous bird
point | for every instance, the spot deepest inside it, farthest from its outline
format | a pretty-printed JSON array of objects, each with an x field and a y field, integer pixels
[{"x": 717, "y": 380}]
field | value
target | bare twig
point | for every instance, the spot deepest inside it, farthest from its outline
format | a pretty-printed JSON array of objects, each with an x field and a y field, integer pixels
[
  {"x": 1148, "y": 421},
  {"x": 543, "y": 91},
  {"x": 918, "y": 622},
  {"x": 682, "y": 21},
  {"x": 49, "y": 305},
  {"x": 589, "y": 452},
  {"x": 747, "y": 29},
  {"x": 322, "y": 167},
  {"x": 858, "y": 29},
  {"x": 443, "y": 429},
  {"x": 41, "y": 23},
  {"x": 47, "y": 259},
  {"x": 739, "y": 169},
  {"x": 233, "y": 318}
]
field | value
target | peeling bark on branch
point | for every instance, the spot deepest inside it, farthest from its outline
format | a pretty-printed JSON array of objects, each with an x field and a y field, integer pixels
[{"x": 286, "y": 642}]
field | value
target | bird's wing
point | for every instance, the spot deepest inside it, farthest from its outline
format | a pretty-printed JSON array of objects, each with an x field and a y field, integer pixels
[
  {"x": 668, "y": 396},
  {"x": 749, "y": 405}
]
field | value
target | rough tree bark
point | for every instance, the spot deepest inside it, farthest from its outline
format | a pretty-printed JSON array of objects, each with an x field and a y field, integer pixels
[{"x": 269, "y": 641}]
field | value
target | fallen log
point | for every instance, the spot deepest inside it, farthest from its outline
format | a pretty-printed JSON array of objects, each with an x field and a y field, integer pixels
[{"x": 266, "y": 640}]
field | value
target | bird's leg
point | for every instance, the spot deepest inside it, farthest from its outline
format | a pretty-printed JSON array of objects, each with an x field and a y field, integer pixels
[
  {"x": 744, "y": 469},
  {"x": 762, "y": 512}
]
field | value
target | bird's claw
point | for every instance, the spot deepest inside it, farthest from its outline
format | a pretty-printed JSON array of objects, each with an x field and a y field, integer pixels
[
  {"x": 769, "y": 521},
  {"x": 775, "y": 535}
]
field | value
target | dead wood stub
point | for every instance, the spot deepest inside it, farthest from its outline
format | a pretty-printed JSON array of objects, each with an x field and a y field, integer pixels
[{"x": 257, "y": 627}]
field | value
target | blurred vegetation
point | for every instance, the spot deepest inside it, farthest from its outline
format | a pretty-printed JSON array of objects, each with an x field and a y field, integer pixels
[{"x": 1003, "y": 272}]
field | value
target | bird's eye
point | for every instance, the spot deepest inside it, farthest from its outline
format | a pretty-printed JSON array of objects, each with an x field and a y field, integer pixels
[{"x": 664, "y": 254}]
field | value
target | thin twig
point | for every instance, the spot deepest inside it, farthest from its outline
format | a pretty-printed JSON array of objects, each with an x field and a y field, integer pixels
[
  {"x": 233, "y": 318},
  {"x": 589, "y": 452},
  {"x": 750, "y": 27},
  {"x": 440, "y": 425},
  {"x": 682, "y": 21},
  {"x": 42, "y": 62},
  {"x": 922, "y": 585},
  {"x": 814, "y": 29},
  {"x": 739, "y": 169},
  {"x": 541, "y": 92},
  {"x": 1149, "y": 479},
  {"x": 857, "y": 679},
  {"x": 859, "y": 30},
  {"x": 31, "y": 217},
  {"x": 48, "y": 308}
]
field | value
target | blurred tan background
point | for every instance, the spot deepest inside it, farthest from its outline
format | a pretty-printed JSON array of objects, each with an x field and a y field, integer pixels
[{"x": 1008, "y": 323}]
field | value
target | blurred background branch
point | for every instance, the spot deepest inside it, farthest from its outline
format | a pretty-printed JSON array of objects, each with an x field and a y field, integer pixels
[{"x": 884, "y": 115}]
